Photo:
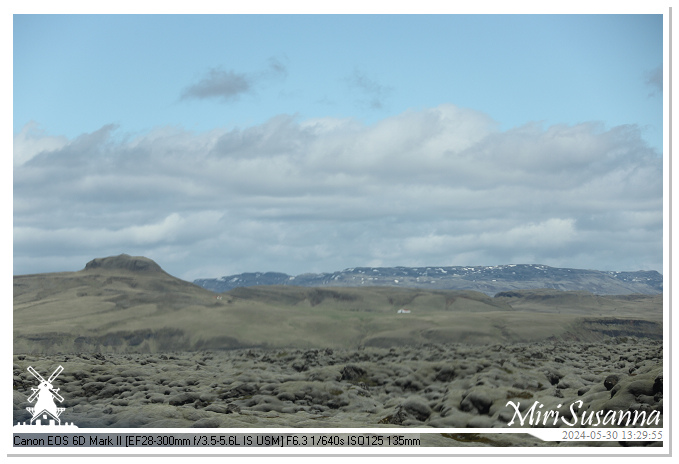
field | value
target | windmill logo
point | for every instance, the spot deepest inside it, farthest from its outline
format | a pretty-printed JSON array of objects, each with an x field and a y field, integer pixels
[{"x": 45, "y": 408}]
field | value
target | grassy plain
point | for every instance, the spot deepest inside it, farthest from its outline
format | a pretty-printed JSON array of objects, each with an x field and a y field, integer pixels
[{"x": 132, "y": 309}]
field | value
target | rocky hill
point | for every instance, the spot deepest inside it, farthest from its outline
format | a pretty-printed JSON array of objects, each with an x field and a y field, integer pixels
[{"x": 486, "y": 279}]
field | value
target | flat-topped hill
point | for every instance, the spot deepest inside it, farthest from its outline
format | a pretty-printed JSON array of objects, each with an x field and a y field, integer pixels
[{"x": 124, "y": 262}]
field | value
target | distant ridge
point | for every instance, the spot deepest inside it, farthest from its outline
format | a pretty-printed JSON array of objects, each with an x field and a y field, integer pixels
[{"x": 486, "y": 279}]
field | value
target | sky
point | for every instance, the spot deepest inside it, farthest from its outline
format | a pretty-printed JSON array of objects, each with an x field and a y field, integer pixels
[{"x": 221, "y": 144}]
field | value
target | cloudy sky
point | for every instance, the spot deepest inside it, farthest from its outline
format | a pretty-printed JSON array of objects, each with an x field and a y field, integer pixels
[{"x": 223, "y": 144}]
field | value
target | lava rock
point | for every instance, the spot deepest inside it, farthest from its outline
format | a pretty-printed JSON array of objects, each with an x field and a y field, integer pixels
[
  {"x": 351, "y": 373},
  {"x": 611, "y": 381}
]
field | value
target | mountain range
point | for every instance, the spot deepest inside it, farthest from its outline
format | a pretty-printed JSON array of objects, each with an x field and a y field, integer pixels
[
  {"x": 130, "y": 304},
  {"x": 485, "y": 279}
]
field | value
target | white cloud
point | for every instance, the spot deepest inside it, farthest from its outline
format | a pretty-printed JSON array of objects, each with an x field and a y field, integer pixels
[
  {"x": 218, "y": 83},
  {"x": 431, "y": 187},
  {"x": 373, "y": 93},
  {"x": 654, "y": 79},
  {"x": 32, "y": 140},
  {"x": 229, "y": 85}
]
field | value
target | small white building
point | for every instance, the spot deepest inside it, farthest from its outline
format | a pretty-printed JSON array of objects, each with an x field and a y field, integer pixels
[{"x": 403, "y": 311}]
